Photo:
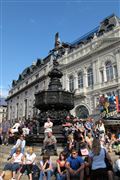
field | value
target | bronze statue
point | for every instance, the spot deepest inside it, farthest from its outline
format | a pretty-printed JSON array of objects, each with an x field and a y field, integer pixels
[{"x": 57, "y": 40}]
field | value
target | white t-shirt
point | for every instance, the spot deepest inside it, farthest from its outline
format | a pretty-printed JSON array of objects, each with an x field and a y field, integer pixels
[
  {"x": 26, "y": 131},
  {"x": 15, "y": 127},
  {"x": 48, "y": 127},
  {"x": 17, "y": 158},
  {"x": 101, "y": 128},
  {"x": 30, "y": 158}
]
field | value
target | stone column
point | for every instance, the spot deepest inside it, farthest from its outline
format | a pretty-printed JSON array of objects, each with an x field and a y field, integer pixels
[
  {"x": 66, "y": 82},
  {"x": 75, "y": 80},
  {"x": 94, "y": 73},
  {"x": 98, "y": 78},
  {"x": 104, "y": 73},
  {"x": 85, "y": 80}
]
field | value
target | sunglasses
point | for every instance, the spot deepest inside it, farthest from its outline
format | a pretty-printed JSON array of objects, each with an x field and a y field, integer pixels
[{"x": 74, "y": 153}]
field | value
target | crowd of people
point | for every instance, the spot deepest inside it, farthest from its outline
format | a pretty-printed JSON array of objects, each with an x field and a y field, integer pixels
[
  {"x": 85, "y": 155},
  {"x": 10, "y": 131}
]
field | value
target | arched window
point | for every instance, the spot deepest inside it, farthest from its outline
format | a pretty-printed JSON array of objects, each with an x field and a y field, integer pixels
[
  {"x": 109, "y": 71},
  {"x": 82, "y": 112},
  {"x": 80, "y": 79},
  {"x": 90, "y": 76},
  {"x": 71, "y": 83}
]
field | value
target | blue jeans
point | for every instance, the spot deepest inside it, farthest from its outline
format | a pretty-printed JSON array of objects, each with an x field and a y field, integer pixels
[
  {"x": 48, "y": 175},
  {"x": 61, "y": 177}
]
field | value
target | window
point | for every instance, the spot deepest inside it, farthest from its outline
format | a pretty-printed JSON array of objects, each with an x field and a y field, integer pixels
[
  {"x": 109, "y": 71},
  {"x": 90, "y": 77},
  {"x": 71, "y": 83},
  {"x": 102, "y": 76},
  {"x": 80, "y": 79},
  {"x": 36, "y": 87},
  {"x": 82, "y": 112},
  {"x": 26, "y": 92},
  {"x": 115, "y": 71},
  {"x": 37, "y": 76}
]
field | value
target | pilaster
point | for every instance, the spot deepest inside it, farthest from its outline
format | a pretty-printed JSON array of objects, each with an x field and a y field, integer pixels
[
  {"x": 117, "y": 54},
  {"x": 104, "y": 73},
  {"x": 75, "y": 80},
  {"x": 85, "y": 80}
]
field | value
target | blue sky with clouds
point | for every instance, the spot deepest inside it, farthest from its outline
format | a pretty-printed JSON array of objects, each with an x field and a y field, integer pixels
[{"x": 28, "y": 27}]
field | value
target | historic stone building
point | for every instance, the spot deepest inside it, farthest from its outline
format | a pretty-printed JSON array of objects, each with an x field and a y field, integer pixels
[
  {"x": 3, "y": 109},
  {"x": 90, "y": 66}
]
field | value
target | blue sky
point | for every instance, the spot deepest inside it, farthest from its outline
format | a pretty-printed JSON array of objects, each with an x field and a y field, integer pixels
[{"x": 28, "y": 27}]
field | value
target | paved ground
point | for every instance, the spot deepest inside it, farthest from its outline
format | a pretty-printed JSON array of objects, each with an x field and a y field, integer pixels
[{"x": 4, "y": 151}]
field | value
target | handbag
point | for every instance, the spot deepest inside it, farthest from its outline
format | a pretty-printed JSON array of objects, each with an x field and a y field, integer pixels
[
  {"x": 101, "y": 132},
  {"x": 108, "y": 163}
]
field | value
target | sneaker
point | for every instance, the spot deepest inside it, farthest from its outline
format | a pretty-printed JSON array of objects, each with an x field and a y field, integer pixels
[
  {"x": 1, "y": 178},
  {"x": 56, "y": 154},
  {"x": 9, "y": 158},
  {"x": 42, "y": 154}
]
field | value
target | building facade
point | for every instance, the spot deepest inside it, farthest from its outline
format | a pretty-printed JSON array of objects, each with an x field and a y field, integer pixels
[
  {"x": 90, "y": 66},
  {"x": 3, "y": 109}
]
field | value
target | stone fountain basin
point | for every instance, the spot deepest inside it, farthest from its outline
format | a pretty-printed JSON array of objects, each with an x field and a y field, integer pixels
[{"x": 54, "y": 99}]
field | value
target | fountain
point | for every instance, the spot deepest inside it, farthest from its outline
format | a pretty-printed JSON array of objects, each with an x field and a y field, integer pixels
[{"x": 54, "y": 102}]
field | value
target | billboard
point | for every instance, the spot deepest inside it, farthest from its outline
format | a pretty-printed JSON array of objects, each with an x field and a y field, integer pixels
[{"x": 109, "y": 105}]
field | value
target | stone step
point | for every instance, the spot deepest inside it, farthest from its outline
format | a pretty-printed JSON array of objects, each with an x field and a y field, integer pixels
[
  {"x": 38, "y": 139},
  {"x": 4, "y": 153}
]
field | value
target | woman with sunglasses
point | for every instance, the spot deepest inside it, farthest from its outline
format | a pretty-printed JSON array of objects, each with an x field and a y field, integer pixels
[{"x": 14, "y": 165}]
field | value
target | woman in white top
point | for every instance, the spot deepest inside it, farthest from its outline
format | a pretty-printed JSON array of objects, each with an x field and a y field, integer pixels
[
  {"x": 29, "y": 160},
  {"x": 101, "y": 128},
  {"x": 15, "y": 164},
  {"x": 21, "y": 142}
]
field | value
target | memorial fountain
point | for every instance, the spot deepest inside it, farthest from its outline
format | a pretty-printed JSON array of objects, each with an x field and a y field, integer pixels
[{"x": 55, "y": 102}]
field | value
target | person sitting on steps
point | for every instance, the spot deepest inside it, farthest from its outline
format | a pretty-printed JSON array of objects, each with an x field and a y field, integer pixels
[
  {"x": 21, "y": 142},
  {"x": 48, "y": 126},
  {"x": 14, "y": 164},
  {"x": 49, "y": 143},
  {"x": 46, "y": 167},
  {"x": 29, "y": 161}
]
